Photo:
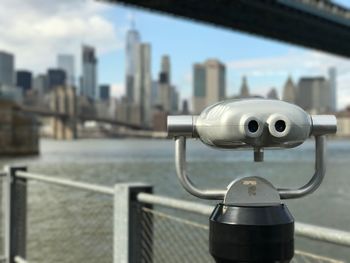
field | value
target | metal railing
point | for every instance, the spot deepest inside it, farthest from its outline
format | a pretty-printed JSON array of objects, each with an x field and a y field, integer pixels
[{"x": 48, "y": 219}]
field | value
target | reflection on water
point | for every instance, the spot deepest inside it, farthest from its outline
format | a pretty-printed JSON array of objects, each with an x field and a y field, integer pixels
[{"x": 111, "y": 161}]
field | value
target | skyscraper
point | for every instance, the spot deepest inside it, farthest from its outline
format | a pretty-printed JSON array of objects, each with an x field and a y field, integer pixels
[
  {"x": 185, "y": 109},
  {"x": 216, "y": 81},
  {"x": 143, "y": 82},
  {"x": 104, "y": 93},
  {"x": 209, "y": 84},
  {"x": 154, "y": 93},
  {"x": 24, "y": 80},
  {"x": 132, "y": 42},
  {"x": 55, "y": 78},
  {"x": 165, "y": 89},
  {"x": 199, "y": 88},
  {"x": 165, "y": 74},
  {"x": 314, "y": 95},
  {"x": 66, "y": 62},
  {"x": 89, "y": 76},
  {"x": 272, "y": 94},
  {"x": 174, "y": 96},
  {"x": 332, "y": 73},
  {"x": 40, "y": 84},
  {"x": 289, "y": 91},
  {"x": 244, "y": 93},
  {"x": 7, "y": 69}
]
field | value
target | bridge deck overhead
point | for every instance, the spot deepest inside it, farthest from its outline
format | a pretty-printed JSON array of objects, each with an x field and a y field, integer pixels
[{"x": 317, "y": 24}]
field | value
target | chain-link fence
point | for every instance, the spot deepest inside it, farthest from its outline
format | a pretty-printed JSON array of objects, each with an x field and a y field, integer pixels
[
  {"x": 1, "y": 218},
  {"x": 66, "y": 225},
  {"x": 57, "y": 220},
  {"x": 177, "y": 240}
]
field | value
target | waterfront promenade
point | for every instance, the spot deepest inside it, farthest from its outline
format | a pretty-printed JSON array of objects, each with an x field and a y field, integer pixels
[{"x": 72, "y": 197}]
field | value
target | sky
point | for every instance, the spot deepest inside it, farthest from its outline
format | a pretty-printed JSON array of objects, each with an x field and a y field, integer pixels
[{"x": 36, "y": 31}]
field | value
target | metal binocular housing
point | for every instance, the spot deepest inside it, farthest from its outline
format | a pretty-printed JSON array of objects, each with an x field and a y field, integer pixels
[{"x": 251, "y": 224}]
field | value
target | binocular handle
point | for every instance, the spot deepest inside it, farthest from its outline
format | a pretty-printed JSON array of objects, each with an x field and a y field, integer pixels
[{"x": 217, "y": 194}]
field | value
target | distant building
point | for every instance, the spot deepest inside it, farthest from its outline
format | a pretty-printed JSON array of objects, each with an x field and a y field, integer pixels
[
  {"x": 165, "y": 89},
  {"x": 154, "y": 94},
  {"x": 289, "y": 91},
  {"x": 199, "y": 88},
  {"x": 102, "y": 108},
  {"x": 10, "y": 93},
  {"x": 159, "y": 121},
  {"x": 89, "y": 72},
  {"x": 244, "y": 92},
  {"x": 55, "y": 78},
  {"x": 332, "y": 73},
  {"x": 165, "y": 74},
  {"x": 143, "y": 83},
  {"x": 209, "y": 84},
  {"x": 104, "y": 92},
  {"x": 7, "y": 69},
  {"x": 132, "y": 42},
  {"x": 40, "y": 84},
  {"x": 272, "y": 94},
  {"x": 134, "y": 114},
  {"x": 185, "y": 109},
  {"x": 66, "y": 62},
  {"x": 343, "y": 123},
  {"x": 314, "y": 95},
  {"x": 174, "y": 95},
  {"x": 24, "y": 80},
  {"x": 122, "y": 110},
  {"x": 19, "y": 132}
]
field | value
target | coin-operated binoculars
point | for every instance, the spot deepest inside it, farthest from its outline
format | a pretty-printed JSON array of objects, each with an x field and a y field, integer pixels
[{"x": 251, "y": 224}]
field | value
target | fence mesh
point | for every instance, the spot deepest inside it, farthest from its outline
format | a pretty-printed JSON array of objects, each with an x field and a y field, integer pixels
[
  {"x": 1, "y": 218},
  {"x": 179, "y": 240},
  {"x": 68, "y": 225}
]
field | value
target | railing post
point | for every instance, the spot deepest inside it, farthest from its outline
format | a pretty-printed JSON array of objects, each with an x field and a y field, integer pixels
[
  {"x": 128, "y": 229},
  {"x": 15, "y": 213}
]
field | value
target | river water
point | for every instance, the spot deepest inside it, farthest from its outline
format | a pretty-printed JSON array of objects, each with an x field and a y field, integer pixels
[{"x": 110, "y": 161}]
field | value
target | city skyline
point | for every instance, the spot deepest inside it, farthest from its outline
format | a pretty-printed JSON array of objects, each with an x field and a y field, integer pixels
[
  {"x": 266, "y": 63},
  {"x": 317, "y": 93}
]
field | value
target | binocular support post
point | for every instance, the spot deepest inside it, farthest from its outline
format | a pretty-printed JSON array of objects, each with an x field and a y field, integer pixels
[
  {"x": 181, "y": 171},
  {"x": 217, "y": 194},
  {"x": 317, "y": 178}
]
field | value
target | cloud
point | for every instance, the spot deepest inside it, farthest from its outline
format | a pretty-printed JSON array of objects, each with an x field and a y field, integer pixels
[
  {"x": 37, "y": 30},
  {"x": 117, "y": 90},
  {"x": 297, "y": 64}
]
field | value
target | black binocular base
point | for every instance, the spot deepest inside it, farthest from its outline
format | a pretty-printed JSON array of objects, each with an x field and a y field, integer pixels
[{"x": 247, "y": 234}]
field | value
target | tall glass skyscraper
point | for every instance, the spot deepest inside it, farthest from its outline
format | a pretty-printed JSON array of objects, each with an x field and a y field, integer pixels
[
  {"x": 89, "y": 76},
  {"x": 314, "y": 95},
  {"x": 209, "y": 84},
  {"x": 66, "y": 62},
  {"x": 165, "y": 85},
  {"x": 24, "y": 80},
  {"x": 132, "y": 42},
  {"x": 143, "y": 82},
  {"x": 55, "y": 78},
  {"x": 7, "y": 69},
  {"x": 332, "y": 73}
]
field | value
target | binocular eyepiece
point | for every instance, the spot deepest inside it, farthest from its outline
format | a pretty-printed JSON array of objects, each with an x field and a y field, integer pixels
[{"x": 254, "y": 123}]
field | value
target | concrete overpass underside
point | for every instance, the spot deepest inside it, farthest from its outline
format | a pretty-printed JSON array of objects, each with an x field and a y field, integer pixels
[{"x": 316, "y": 24}]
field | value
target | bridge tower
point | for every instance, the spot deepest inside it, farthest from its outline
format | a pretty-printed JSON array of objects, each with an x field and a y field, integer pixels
[{"x": 63, "y": 102}]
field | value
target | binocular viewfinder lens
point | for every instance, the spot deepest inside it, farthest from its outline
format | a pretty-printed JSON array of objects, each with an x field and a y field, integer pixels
[
  {"x": 280, "y": 125},
  {"x": 253, "y": 126}
]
